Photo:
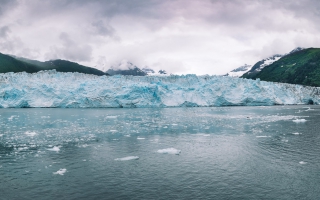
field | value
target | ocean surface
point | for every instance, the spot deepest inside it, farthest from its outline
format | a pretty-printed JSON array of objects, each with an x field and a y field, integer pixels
[{"x": 268, "y": 152}]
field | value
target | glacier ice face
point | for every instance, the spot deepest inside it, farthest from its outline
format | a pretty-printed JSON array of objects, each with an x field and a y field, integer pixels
[{"x": 76, "y": 90}]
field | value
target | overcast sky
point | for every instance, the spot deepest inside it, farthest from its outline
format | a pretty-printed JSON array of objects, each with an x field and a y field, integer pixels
[{"x": 180, "y": 36}]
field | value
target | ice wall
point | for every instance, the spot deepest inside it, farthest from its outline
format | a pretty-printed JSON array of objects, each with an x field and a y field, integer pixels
[{"x": 55, "y": 89}]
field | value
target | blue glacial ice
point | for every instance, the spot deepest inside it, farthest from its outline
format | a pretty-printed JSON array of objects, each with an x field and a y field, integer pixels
[{"x": 76, "y": 90}]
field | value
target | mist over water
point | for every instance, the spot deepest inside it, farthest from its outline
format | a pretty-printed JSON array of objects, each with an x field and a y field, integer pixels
[{"x": 160, "y": 153}]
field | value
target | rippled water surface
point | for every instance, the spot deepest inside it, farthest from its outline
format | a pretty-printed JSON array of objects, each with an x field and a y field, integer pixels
[{"x": 168, "y": 153}]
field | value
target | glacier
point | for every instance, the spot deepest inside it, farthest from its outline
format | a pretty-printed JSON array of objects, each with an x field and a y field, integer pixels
[{"x": 76, "y": 90}]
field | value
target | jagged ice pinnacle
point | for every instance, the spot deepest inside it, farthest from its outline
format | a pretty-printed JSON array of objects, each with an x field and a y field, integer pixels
[{"x": 74, "y": 90}]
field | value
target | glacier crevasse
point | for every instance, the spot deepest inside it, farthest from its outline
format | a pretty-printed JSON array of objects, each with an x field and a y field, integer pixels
[{"x": 76, "y": 90}]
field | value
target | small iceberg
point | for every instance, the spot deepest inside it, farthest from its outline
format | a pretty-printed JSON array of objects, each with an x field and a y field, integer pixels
[
  {"x": 60, "y": 172},
  {"x": 169, "y": 151},
  {"x": 140, "y": 138},
  {"x": 127, "y": 158},
  {"x": 302, "y": 162},
  {"x": 31, "y": 134},
  {"x": 299, "y": 120},
  {"x": 296, "y": 133},
  {"x": 56, "y": 149},
  {"x": 111, "y": 117}
]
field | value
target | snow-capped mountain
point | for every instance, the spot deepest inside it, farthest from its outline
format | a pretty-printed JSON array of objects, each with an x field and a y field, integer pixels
[
  {"x": 295, "y": 50},
  {"x": 56, "y": 89},
  {"x": 257, "y": 67},
  {"x": 239, "y": 71},
  {"x": 148, "y": 71},
  {"x": 263, "y": 63},
  {"x": 126, "y": 68}
]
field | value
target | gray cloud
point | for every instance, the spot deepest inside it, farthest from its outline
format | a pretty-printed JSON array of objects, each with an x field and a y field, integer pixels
[
  {"x": 184, "y": 35},
  {"x": 103, "y": 29},
  {"x": 4, "y": 31},
  {"x": 70, "y": 50},
  {"x": 6, "y": 5}
]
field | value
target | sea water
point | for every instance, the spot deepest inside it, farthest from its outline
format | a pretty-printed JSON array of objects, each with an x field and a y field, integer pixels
[{"x": 164, "y": 153}]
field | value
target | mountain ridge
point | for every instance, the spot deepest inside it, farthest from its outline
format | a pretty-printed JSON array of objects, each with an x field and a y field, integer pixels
[
  {"x": 298, "y": 67},
  {"x": 9, "y": 63}
]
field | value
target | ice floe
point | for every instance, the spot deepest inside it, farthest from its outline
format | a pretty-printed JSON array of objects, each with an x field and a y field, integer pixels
[
  {"x": 60, "y": 172},
  {"x": 169, "y": 151},
  {"x": 299, "y": 120},
  {"x": 31, "y": 134},
  {"x": 127, "y": 158},
  {"x": 55, "y": 148}
]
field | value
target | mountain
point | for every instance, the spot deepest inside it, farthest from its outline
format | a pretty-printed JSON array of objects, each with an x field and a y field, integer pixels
[
  {"x": 300, "y": 66},
  {"x": 148, "y": 71},
  {"x": 17, "y": 64},
  {"x": 151, "y": 72},
  {"x": 239, "y": 71},
  {"x": 256, "y": 68},
  {"x": 162, "y": 71},
  {"x": 126, "y": 68},
  {"x": 11, "y": 64}
]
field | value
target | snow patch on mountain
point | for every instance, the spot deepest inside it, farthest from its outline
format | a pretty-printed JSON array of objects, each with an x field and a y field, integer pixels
[
  {"x": 76, "y": 90},
  {"x": 126, "y": 68},
  {"x": 256, "y": 68},
  {"x": 269, "y": 61},
  {"x": 239, "y": 71}
]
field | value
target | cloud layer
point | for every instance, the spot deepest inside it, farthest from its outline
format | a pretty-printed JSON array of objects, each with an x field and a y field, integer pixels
[{"x": 202, "y": 37}]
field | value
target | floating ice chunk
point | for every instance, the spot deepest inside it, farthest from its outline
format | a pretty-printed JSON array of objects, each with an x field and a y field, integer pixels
[
  {"x": 169, "y": 151},
  {"x": 128, "y": 135},
  {"x": 308, "y": 108},
  {"x": 299, "y": 120},
  {"x": 1, "y": 135},
  {"x": 31, "y": 134},
  {"x": 111, "y": 117},
  {"x": 302, "y": 162},
  {"x": 127, "y": 158},
  {"x": 60, "y": 172},
  {"x": 113, "y": 130},
  {"x": 55, "y": 148},
  {"x": 262, "y": 136},
  {"x": 203, "y": 134},
  {"x": 45, "y": 117},
  {"x": 141, "y": 138},
  {"x": 296, "y": 133},
  {"x": 11, "y": 118}
]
